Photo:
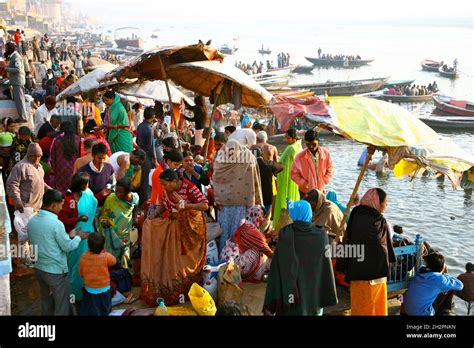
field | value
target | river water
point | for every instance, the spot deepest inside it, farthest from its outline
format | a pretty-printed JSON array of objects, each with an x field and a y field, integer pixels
[{"x": 443, "y": 217}]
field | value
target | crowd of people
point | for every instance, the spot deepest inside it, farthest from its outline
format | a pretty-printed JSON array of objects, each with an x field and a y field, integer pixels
[
  {"x": 94, "y": 173},
  {"x": 412, "y": 90},
  {"x": 344, "y": 57},
  {"x": 283, "y": 61}
]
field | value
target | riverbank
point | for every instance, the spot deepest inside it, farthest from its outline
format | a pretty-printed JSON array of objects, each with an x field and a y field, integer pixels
[{"x": 26, "y": 297}]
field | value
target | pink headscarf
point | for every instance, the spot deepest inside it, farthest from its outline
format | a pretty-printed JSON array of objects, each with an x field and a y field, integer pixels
[
  {"x": 371, "y": 199},
  {"x": 255, "y": 216}
]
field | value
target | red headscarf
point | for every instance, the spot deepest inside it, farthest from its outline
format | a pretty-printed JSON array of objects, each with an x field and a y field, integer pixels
[{"x": 371, "y": 199}]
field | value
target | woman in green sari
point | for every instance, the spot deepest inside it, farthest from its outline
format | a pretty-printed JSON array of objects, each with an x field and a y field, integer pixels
[
  {"x": 116, "y": 221},
  {"x": 120, "y": 136},
  {"x": 287, "y": 188}
]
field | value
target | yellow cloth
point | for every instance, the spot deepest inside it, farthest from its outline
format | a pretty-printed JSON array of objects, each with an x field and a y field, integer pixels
[
  {"x": 384, "y": 124},
  {"x": 368, "y": 300}
]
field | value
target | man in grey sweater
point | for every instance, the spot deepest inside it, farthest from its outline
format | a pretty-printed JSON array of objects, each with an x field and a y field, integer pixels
[{"x": 17, "y": 78}]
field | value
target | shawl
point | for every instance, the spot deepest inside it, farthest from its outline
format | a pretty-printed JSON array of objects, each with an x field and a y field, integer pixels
[
  {"x": 327, "y": 214},
  {"x": 236, "y": 176},
  {"x": 301, "y": 279}
]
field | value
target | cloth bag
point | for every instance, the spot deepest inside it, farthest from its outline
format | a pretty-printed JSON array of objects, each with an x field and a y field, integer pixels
[{"x": 229, "y": 283}]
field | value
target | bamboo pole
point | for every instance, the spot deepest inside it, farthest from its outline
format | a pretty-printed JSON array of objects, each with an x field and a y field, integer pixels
[
  {"x": 370, "y": 150},
  {"x": 165, "y": 77},
  {"x": 208, "y": 138}
]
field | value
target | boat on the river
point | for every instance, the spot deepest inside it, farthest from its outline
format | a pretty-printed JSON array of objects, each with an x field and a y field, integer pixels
[
  {"x": 343, "y": 63},
  {"x": 303, "y": 69},
  {"x": 406, "y": 98},
  {"x": 449, "y": 122},
  {"x": 128, "y": 36},
  {"x": 345, "y": 88},
  {"x": 265, "y": 51},
  {"x": 398, "y": 83},
  {"x": 454, "y": 106},
  {"x": 431, "y": 65},
  {"x": 448, "y": 72}
]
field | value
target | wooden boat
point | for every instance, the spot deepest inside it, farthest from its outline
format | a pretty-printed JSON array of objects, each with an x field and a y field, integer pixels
[
  {"x": 274, "y": 82},
  {"x": 226, "y": 49},
  {"x": 431, "y": 65},
  {"x": 128, "y": 36},
  {"x": 271, "y": 74},
  {"x": 354, "y": 63},
  {"x": 406, "y": 98},
  {"x": 288, "y": 92},
  {"x": 453, "y": 106},
  {"x": 345, "y": 88},
  {"x": 448, "y": 122},
  {"x": 446, "y": 71},
  {"x": 399, "y": 83},
  {"x": 265, "y": 51},
  {"x": 303, "y": 69}
]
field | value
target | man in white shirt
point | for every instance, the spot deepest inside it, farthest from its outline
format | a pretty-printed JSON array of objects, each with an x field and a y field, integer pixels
[
  {"x": 78, "y": 66},
  {"x": 44, "y": 113}
]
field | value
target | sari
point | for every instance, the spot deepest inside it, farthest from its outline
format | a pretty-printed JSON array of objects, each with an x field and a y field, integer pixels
[
  {"x": 119, "y": 139},
  {"x": 173, "y": 250},
  {"x": 251, "y": 247},
  {"x": 62, "y": 167},
  {"x": 236, "y": 183},
  {"x": 117, "y": 237},
  {"x": 287, "y": 188},
  {"x": 87, "y": 205}
]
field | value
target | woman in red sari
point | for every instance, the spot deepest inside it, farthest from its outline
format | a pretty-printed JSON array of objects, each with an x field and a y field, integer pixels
[
  {"x": 174, "y": 245},
  {"x": 249, "y": 248}
]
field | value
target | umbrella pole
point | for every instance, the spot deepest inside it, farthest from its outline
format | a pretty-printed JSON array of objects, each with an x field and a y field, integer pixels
[
  {"x": 371, "y": 150},
  {"x": 171, "y": 101},
  {"x": 210, "y": 131}
]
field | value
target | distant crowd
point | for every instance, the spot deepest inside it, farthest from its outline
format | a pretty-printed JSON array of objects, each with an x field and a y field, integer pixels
[{"x": 412, "y": 90}]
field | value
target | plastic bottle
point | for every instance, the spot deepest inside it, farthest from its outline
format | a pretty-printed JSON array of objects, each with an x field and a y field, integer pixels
[
  {"x": 211, "y": 286},
  {"x": 161, "y": 310}
]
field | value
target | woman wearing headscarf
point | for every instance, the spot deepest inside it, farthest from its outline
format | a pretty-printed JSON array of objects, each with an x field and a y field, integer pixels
[
  {"x": 287, "y": 188},
  {"x": 236, "y": 182},
  {"x": 174, "y": 245},
  {"x": 248, "y": 246},
  {"x": 325, "y": 213},
  {"x": 301, "y": 279},
  {"x": 368, "y": 228}
]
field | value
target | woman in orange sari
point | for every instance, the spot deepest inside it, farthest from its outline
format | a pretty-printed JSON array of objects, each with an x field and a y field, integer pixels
[{"x": 174, "y": 245}]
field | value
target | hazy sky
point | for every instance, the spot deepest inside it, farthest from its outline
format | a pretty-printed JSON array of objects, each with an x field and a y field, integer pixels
[{"x": 237, "y": 12}]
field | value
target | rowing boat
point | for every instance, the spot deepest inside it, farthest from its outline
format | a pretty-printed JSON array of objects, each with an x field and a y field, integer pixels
[
  {"x": 453, "y": 106},
  {"x": 345, "y": 88},
  {"x": 353, "y": 63}
]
